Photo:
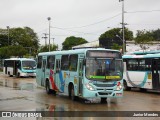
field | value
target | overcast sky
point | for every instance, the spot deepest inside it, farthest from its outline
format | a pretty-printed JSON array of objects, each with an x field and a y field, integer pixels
[{"x": 80, "y": 18}]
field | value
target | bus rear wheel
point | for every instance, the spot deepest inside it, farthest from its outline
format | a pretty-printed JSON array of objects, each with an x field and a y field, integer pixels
[
  {"x": 48, "y": 90},
  {"x": 125, "y": 86},
  {"x": 71, "y": 93},
  {"x": 103, "y": 100},
  {"x": 18, "y": 75}
]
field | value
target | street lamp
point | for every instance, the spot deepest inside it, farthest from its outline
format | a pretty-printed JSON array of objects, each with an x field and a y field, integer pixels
[
  {"x": 8, "y": 34},
  {"x": 49, "y": 18}
]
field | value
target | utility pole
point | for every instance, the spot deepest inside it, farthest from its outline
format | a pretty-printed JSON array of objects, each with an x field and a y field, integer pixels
[
  {"x": 123, "y": 37},
  {"x": 8, "y": 34},
  {"x": 49, "y": 19},
  {"x": 45, "y": 37}
]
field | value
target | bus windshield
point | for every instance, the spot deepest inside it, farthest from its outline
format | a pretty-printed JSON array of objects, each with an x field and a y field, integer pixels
[
  {"x": 104, "y": 68},
  {"x": 28, "y": 65}
]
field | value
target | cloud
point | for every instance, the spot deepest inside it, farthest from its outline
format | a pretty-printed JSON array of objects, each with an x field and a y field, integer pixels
[{"x": 75, "y": 13}]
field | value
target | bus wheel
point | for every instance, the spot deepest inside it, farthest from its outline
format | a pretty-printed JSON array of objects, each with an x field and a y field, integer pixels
[
  {"x": 54, "y": 92},
  {"x": 72, "y": 95},
  {"x": 48, "y": 90},
  {"x": 143, "y": 89},
  {"x": 103, "y": 100},
  {"x": 18, "y": 75},
  {"x": 125, "y": 87},
  {"x": 9, "y": 74}
]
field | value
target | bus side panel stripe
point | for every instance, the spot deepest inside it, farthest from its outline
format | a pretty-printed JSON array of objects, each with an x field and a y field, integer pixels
[
  {"x": 54, "y": 87},
  {"x": 135, "y": 85},
  {"x": 62, "y": 81}
]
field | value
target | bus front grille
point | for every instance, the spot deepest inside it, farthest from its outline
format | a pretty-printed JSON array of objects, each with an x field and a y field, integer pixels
[
  {"x": 104, "y": 85},
  {"x": 102, "y": 93}
]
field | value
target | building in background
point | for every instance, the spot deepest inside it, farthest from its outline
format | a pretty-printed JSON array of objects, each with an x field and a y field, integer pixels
[{"x": 131, "y": 46}]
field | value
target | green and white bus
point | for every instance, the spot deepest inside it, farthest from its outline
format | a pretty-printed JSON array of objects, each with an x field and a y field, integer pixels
[
  {"x": 86, "y": 73},
  {"x": 142, "y": 70},
  {"x": 20, "y": 67}
]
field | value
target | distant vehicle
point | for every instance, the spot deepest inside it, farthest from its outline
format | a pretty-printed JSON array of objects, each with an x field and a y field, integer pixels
[
  {"x": 142, "y": 70},
  {"x": 85, "y": 73},
  {"x": 20, "y": 67}
]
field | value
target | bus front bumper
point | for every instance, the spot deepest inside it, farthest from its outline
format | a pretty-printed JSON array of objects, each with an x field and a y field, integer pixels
[
  {"x": 103, "y": 94},
  {"x": 28, "y": 74}
]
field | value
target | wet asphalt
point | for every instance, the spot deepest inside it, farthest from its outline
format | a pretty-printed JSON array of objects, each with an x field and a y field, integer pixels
[{"x": 23, "y": 94}]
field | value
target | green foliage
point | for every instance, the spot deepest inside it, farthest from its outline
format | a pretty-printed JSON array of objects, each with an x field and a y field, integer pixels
[
  {"x": 24, "y": 37},
  {"x": 112, "y": 33},
  {"x": 144, "y": 37},
  {"x": 72, "y": 41},
  {"x": 6, "y": 52},
  {"x": 3, "y": 40},
  {"x": 45, "y": 48},
  {"x": 116, "y": 46},
  {"x": 156, "y": 34}
]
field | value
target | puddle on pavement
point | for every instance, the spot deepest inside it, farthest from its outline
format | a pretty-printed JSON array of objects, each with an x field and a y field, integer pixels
[
  {"x": 17, "y": 84},
  {"x": 52, "y": 107}
]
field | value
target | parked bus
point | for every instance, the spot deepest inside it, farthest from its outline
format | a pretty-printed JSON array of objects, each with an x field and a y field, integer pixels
[
  {"x": 20, "y": 67},
  {"x": 142, "y": 70},
  {"x": 85, "y": 73}
]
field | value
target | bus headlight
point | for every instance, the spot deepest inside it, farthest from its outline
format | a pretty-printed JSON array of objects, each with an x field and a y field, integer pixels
[
  {"x": 119, "y": 86},
  {"x": 89, "y": 87}
]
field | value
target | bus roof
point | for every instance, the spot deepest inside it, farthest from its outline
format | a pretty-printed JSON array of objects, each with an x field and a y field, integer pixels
[
  {"x": 142, "y": 56},
  {"x": 76, "y": 51},
  {"x": 21, "y": 59},
  {"x": 145, "y": 52}
]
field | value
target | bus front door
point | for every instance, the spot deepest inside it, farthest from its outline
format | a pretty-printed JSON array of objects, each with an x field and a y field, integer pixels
[
  {"x": 43, "y": 72},
  {"x": 57, "y": 73},
  {"x": 80, "y": 74},
  {"x": 156, "y": 73},
  {"x": 15, "y": 68}
]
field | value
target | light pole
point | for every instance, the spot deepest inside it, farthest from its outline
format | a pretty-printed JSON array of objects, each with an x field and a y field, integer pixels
[
  {"x": 49, "y": 18},
  {"x": 123, "y": 25},
  {"x": 8, "y": 34},
  {"x": 53, "y": 41}
]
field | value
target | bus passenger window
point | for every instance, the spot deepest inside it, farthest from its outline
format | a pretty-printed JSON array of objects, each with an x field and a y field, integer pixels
[
  {"x": 39, "y": 65},
  {"x": 73, "y": 62},
  {"x": 64, "y": 62},
  {"x": 50, "y": 62}
]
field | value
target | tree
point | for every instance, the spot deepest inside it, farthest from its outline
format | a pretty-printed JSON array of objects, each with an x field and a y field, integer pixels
[
  {"x": 3, "y": 37},
  {"x": 24, "y": 37},
  {"x": 45, "y": 48},
  {"x": 114, "y": 36},
  {"x": 72, "y": 41},
  {"x": 143, "y": 37},
  {"x": 112, "y": 33},
  {"x": 6, "y": 52},
  {"x": 116, "y": 46},
  {"x": 156, "y": 34}
]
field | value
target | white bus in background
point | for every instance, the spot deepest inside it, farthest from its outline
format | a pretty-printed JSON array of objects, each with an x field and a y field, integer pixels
[
  {"x": 142, "y": 70},
  {"x": 20, "y": 67}
]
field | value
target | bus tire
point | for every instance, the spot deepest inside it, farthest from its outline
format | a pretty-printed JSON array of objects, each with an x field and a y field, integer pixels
[
  {"x": 71, "y": 92},
  {"x": 9, "y": 74},
  {"x": 54, "y": 92},
  {"x": 143, "y": 89},
  {"x": 103, "y": 100},
  {"x": 18, "y": 75},
  {"x": 48, "y": 90},
  {"x": 125, "y": 86}
]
